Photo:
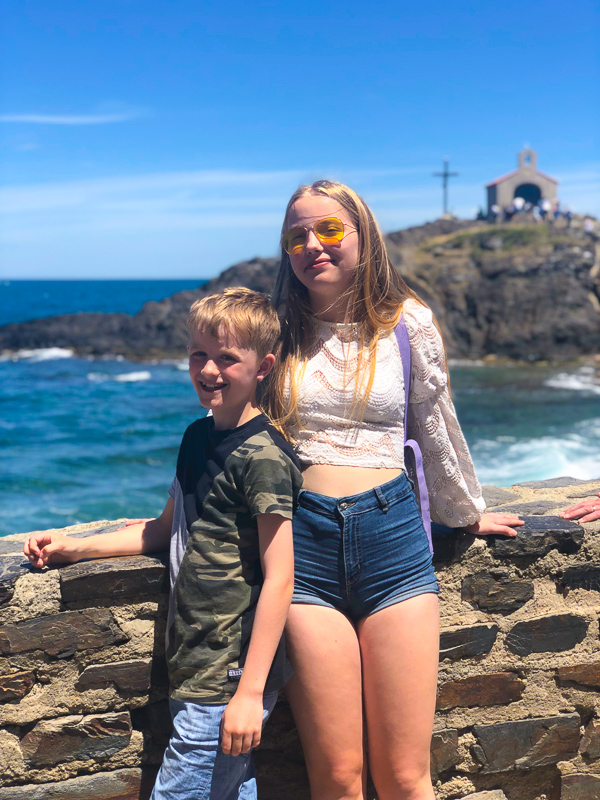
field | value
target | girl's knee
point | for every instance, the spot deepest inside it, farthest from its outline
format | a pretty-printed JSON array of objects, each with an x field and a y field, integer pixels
[
  {"x": 405, "y": 782},
  {"x": 342, "y": 780}
]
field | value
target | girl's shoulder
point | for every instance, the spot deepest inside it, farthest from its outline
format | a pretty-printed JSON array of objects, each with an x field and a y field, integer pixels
[
  {"x": 427, "y": 349},
  {"x": 417, "y": 315}
]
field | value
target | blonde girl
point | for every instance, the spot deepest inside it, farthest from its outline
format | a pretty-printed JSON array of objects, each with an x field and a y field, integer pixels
[{"x": 363, "y": 628}]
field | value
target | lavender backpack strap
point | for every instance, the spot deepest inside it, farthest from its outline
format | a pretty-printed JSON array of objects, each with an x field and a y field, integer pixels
[{"x": 405, "y": 355}]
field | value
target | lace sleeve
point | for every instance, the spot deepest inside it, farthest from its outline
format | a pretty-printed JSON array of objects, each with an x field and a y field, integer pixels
[{"x": 454, "y": 492}]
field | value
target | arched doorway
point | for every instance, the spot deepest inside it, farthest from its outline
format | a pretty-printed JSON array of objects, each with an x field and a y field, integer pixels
[{"x": 529, "y": 192}]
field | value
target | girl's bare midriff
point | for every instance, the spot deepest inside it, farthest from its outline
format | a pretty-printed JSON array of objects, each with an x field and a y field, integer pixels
[{"x": 341, "y": 481}]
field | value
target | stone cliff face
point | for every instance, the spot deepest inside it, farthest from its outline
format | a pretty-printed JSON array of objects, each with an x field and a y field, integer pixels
[{"x": 525, "y": 292}]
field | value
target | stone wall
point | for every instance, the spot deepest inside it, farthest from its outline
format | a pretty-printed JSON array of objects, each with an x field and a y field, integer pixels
[{"x": 83, "y": 687}]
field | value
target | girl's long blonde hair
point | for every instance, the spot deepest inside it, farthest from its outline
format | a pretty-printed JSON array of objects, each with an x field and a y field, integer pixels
[{"x": 375, "y": 301}]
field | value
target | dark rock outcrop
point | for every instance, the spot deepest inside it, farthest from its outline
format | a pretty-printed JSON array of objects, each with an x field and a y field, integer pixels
[
  {"x": 158, "y": 330},
  {"x": 519, "y": 291}
]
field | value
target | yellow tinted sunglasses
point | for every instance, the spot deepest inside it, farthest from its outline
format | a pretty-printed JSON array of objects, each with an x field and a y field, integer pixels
[{"x": 330, "y": 230}]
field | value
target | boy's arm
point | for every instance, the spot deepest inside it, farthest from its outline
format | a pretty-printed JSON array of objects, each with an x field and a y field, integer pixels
[
  {"x": 144, "y": 537},
  {"x": 241, "y": 725}
]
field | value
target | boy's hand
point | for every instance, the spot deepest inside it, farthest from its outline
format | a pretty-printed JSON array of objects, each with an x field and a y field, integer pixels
[
  {"x": 241, "y": 724},
  {"x": 137, "y": 536},
  {"x": 45, "y": 548}
]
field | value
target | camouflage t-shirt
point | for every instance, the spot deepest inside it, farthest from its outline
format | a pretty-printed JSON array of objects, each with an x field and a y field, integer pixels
[{"x": 226, "y": 478}]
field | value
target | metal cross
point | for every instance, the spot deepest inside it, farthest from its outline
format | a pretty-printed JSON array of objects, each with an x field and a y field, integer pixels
[{"x": 445, "y": 175}]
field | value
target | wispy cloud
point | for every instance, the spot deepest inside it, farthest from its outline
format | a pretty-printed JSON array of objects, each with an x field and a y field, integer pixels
[
  {"x": 173, "y": 222},
  {"x": 72, "y": 119}
]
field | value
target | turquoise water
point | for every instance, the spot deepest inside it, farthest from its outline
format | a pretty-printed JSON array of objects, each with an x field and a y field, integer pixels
[
  {"x": 23, "y": 300},
  {"x": 85, "y": 439}
]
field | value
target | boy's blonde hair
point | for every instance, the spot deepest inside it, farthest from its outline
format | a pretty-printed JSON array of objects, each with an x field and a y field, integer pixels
[{"x": 245, "y": 316}]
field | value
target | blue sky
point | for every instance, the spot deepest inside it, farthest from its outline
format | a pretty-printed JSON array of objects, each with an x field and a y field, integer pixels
[{"x": 163, "y": 139}]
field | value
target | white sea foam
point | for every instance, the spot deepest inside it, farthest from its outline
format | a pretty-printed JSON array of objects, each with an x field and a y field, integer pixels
[
  {"x": 124, "y": 377},
  {"x": 41, "y": 354},
  {"x": 503, "y": 462},
  {"x": 132, "y": 377},
  {"x": 583, "y": 380}
]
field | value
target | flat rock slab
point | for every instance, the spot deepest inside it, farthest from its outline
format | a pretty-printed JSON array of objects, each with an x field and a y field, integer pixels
[
  {"x": 480, "y": 690},
  {"x": 535, "y": 508},
  {"x": 128, "y": 576},
  {"x": 494, "y": 591},
  {"x": 494, "y": 495},
  {"x": 551, "y": 483},
  {"x": 466, "y": 641},
  {"x": 62, "y": 634},
  {"x": 444, "y": 750},
  {"x": 580, "y": 786},
  {"x": 11, "y": 569},
  {"x": 581, "y": 576},
  {"x": 76, "y": 738},
  {"x": 124, "y": 784},
  {"x": 539, "y": 536},
  {"x": 584, "y": 674},
  {"x": 11, "y": 547},
  {"x": 129, "y": 676},
  {"x": 494, "y": 794},
  {"x": 528, "y": 743},
  {"x": 550, "y": 634},
  {"x": 16, "y": 685}
]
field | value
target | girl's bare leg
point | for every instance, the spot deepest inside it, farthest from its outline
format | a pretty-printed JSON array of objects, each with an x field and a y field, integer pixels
[
  {"x": 400, "y": 647},
  {"x": 325, "y": 696}
]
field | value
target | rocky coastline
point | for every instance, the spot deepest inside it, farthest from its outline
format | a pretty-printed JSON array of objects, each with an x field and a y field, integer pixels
[{"x": 519, "y": 291}]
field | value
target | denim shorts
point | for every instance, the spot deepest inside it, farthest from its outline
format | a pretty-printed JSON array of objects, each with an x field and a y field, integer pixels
[
  {"x": 361, "y": 553},
  {"x": 194, "y": 767}
]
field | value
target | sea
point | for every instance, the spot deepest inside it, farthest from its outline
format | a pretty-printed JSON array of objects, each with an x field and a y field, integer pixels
[{"x": 84, "y": 439}]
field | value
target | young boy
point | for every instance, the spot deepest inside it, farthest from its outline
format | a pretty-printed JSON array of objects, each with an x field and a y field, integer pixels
[{"x": 228, "y": 522}]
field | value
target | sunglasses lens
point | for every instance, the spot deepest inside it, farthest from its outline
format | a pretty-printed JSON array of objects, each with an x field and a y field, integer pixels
[
  {"x": 330, "y": 230},
  {"x": 294, "y": 240}
]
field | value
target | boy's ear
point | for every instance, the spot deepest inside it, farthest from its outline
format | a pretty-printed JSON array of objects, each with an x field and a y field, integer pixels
[{"x": 265, "y": 366}]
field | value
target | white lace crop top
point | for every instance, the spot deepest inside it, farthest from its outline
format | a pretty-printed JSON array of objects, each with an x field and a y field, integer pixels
[{"x": 331, "y": 431}]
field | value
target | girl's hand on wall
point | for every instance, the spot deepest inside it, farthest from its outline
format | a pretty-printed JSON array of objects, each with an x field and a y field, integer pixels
[
  {"x": 494, "y": 524},
  {"x": 585, "y": 511}
]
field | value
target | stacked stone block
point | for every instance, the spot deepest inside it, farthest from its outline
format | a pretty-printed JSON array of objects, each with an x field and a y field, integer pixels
[{"x": 83, "y": 688}]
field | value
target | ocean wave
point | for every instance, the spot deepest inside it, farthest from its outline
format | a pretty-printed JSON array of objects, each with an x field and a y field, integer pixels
[
  {"x": 584, "y": 379},
  {"x": 124, "y": 377},
  {"x": 504, "y": 462},
  {"x": 41, "y": 354},
  {"x": 132, "y": 377}
]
